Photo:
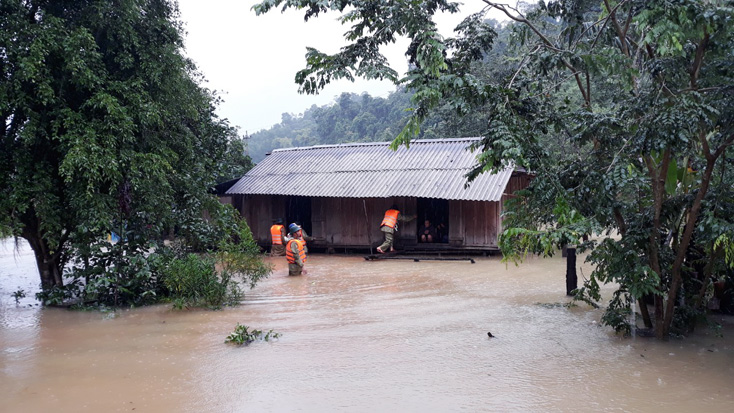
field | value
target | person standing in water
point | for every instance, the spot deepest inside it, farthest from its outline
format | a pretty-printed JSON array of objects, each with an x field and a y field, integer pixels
[
  {"x": 389, "y": 227},
  {"x": 277, "y": 238},
  {"x": 295, "y": 251}
]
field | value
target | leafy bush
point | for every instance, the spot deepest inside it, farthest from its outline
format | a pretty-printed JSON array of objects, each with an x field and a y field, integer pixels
[
  {"x": 137, "y": 271},
  {"x": 193, "y": 281},
  {"x": 63, "y": 295},
  {"x": 237, "y": 253},
  {"x": 242, "y": 335}
]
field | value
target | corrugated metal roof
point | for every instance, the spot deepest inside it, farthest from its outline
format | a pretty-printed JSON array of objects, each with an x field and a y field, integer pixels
[{"x": 430, "y": 168}]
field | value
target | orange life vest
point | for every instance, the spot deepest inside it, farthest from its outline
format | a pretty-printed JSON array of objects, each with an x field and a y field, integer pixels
[
  {"x": 391, "y": 218},
  {"x": 275, "y": 232},
  {"x": 289, "y": 251}
]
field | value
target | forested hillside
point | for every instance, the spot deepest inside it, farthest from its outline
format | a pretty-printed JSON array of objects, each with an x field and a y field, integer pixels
[{"x": 351, "y": 118}]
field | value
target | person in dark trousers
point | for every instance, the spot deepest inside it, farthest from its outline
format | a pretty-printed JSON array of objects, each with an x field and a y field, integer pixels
[
  {"x": 389, "y": 227},
  {"x": 278, "y": 239},
  {"x": 295, "y": 251}
]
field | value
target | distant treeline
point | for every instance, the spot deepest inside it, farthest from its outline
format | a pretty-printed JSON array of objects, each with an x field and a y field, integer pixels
[
  {"x": 351, "y": 118},
  {"x": 354, "y": 118}
]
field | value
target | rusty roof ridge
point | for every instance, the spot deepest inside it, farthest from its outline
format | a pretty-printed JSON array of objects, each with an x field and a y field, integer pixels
[
  {"x": 359, "y": 170},
  {"x": 357, "y": 144}
]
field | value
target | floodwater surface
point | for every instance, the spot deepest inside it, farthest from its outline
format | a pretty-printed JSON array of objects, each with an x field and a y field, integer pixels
[{"x": 357, "y": 336}]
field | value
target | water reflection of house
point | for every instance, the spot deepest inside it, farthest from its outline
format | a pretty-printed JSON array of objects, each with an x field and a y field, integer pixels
[{"x": 340, "y": 193}]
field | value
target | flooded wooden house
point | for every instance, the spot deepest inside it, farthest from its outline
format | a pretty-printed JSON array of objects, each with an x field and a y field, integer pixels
[{"x": 339, "y": 194}]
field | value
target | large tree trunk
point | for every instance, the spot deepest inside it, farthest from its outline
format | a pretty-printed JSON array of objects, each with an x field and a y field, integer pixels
[
  {"x": 645, "y": 313},
  {"x": 49, "y": 264}
]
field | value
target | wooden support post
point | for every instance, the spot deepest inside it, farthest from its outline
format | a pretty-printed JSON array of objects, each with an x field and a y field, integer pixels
[{"x": 571, "y": 278}]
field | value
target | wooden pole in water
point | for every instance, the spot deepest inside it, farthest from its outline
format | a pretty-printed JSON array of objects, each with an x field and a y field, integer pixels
[
  {"x": 367, "y": 220},
  {"x": 571, "y": 278}
]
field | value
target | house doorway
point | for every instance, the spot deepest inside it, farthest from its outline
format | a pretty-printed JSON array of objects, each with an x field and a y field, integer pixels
[
  {"x": 436, "y": 211},
  {"x": 298, "y": 209}
]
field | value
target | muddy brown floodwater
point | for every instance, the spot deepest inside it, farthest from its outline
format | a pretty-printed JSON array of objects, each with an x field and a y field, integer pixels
[{"x": 357, "y": 336}]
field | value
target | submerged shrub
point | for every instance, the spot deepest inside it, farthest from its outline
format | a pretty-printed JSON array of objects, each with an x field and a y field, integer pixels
[
  {"x": 138, "y": 270},
  {"x": 192, "y": 281},
  {"x": 242, "y": 335}
]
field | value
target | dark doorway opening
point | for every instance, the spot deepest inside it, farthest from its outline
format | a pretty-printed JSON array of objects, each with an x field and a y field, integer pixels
[
  {"x": 436, "y": 211},
  {"x": 299, "y": 210}
]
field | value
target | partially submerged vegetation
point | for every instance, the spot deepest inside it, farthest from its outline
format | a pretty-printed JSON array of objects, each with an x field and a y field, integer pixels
[
  {"x": 242, "y": 335},
  {"x": 173, "y": 272}
]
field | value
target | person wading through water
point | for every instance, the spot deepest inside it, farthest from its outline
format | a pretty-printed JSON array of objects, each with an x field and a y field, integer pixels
[
  {"x": 295, "y": 251},
  {"x": 389, "y": 226},
  {"x": 277, "y": 236}
]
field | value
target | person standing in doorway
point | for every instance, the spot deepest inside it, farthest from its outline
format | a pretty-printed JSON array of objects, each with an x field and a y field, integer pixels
[
  {"x": 389, "y": 227},
  {"x": 278, "y": 239},
  {"x": 295, "y": 251}
]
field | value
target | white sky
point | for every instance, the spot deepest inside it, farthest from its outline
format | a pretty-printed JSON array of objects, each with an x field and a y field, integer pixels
[{"x": 252, "y": 60}]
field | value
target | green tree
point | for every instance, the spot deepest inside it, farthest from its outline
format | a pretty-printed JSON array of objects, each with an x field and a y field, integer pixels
[
  {"x": 622, "y": 109},
  {"x": 650, "y": 127},
  {"x": 105, "y": 128}
]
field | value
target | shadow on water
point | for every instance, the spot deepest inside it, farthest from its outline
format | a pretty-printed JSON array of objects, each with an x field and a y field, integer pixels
[{"x": 358, "y": 336}]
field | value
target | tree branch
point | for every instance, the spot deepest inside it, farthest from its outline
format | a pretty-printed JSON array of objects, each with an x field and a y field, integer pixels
[
  {"x": 522, "y": 64},
  {"x": 621, "y": 33},
  {"x": 520, "y": 18},
  {"x": 698, "y": 60},
  {"x": 629, "y": 20}
]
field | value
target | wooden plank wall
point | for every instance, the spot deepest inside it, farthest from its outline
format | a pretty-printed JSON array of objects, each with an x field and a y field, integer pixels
[
  {"x": 355, "y": 222},
  {"x": 341, "y": 221},
  {"x": 259, "y": 212},
  {"x": 474, "y": 223}
]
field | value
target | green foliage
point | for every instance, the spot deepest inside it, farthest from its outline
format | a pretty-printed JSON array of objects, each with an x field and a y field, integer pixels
[
  {"x": 130, "y": 274},
  {"x": 556, "y": 305},
  {"x": 237, "y": 254},
  {"x": 725, "y": 242},
  {"x": 517, "y": 241},
  {"x": 617, "y": 314},
  {"x": 105, "y": 128},
  {"x": 642, "y": 148},
  {"x": 242, "y": 335},
  {"x": 193, "y": 282},
  {"x": 213, "y": 279},
  {"x": 432, "y": 57},
  {"x": 60, "y": 295}
]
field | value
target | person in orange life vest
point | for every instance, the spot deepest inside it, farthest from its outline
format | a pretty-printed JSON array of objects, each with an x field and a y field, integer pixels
[
  {"x": 295, "y": 251},
  {"x": 389, "y": 226},
  {"x": 278, "y": 239}
]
